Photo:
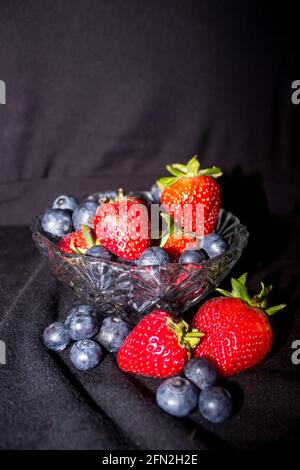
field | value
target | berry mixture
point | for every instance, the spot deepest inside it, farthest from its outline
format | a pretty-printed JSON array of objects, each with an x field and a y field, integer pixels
[
  {"x": 228, "y": 334},
  {"x": 189, "y": 202}
]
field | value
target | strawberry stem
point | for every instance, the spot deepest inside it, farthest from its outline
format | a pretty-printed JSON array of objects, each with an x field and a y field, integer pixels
[
  {"x": 120, "y": 194},
  {"x": 172, "y": 229},
  {"x": 191, "y": 169},
  {"x": 188, "y": 337},
  {"x": 240, "y": 291}
]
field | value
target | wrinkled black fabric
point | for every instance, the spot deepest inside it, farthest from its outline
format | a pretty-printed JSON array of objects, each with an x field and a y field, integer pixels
[{"x": 103, "y": 94}]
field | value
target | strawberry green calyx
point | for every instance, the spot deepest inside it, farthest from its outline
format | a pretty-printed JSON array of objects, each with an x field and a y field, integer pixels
[
  {"x": 89, "y": 235},
  {"x": 191, "y": 169},
  {"x": 78, "y": 251},
  {"x": 118, "y": 198},
  {"x": 240, "y": 291},
  {"x": 90, "y": 238},
  {"x": 188, "y": 338},
  {"x": 171, "y": 229}
]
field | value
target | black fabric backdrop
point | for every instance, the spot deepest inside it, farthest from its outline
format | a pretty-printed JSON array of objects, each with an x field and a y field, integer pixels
[{"x": 102, "y": 94}]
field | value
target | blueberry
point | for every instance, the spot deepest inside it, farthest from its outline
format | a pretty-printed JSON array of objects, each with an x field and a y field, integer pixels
[
  {"x": 112, "y": 333},
  {"x": 65, "y": 202},
  {"x": 156, "y": 194},
  {"x": 201, "y": 372},
  {"x": 215, "y": 404},
  {"x": 213, "y": 245},
  {"x": 99, "y": 197},
  {"x": 57, "y": 222},
  {"x": 153, "y": 256},
  {"x": 85, "y": 354},
  {"x": 82, "y": 322},
  {"x": 106, "y": 194},
  {"x": 192, "y": 256},
  {"x": 177, "y": 396},
  {"x": 84, "y": 214},
  {"x": 56, "y": 337},
  {"x": 99, "y": 251},
  {"x": 144, "y": 196}
]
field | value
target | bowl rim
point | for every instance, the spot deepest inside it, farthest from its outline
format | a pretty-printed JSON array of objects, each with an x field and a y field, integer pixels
[{"x": 37, "y": 232}]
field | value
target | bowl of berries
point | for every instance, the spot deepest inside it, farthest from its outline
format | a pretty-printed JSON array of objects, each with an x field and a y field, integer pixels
[{"x": 126, "y": 255}]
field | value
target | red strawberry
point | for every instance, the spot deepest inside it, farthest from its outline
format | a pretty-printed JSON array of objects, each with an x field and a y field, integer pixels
[
  {"x": 175, "y": 246},
  {"x": 174, "y": 241},
  {"x": 158, "y": 346},
  {"x": 192, "y": 196},
  {"x": 237, "y": 331},
  {"x": 78, "y": 242},
  {"x": 122, "y": 226}
]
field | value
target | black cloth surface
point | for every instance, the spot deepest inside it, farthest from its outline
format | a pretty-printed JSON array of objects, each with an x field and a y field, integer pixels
[{"x": 102, "y": 94}]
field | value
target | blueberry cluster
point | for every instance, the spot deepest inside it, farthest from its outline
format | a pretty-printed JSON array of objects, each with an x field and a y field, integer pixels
[
  {"x": 148, "y": 197},
  {"x": 210, "y": 246},
  {"x": 179, "y": 396},
  {"x": 82, "y": 324},
  {"x": 67, "y": 214}
]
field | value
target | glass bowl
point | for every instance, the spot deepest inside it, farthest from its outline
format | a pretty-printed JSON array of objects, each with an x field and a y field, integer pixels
[{"x": 130, "y": 291}]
